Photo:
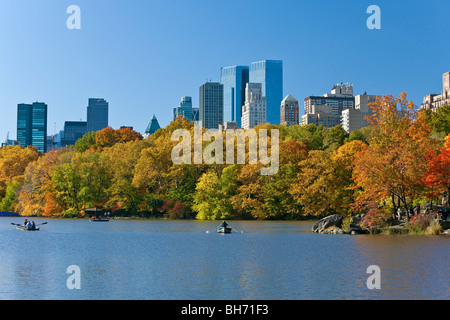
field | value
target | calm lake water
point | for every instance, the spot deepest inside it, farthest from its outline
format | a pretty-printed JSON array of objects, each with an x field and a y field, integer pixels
[{"x": 153, "y": 260}]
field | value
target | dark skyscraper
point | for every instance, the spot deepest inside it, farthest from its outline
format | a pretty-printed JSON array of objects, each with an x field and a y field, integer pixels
[
  {"x": 73, "y": 130},
  {"x": 211, "y": 105},
  {"x": 32, "y": 125},
  {"x": 97, "y": 115}
]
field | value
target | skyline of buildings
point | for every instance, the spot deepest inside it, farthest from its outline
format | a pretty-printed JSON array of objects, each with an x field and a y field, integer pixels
[
  {"x": 269, "y": 73},
  {"x": 340, "y": 107}
]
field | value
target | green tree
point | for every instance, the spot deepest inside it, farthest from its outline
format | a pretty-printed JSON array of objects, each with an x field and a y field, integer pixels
[
  {"x": 212, "y": 199},
  {"x": 86, "y": 142},
  {"x": 311, "y": 135},
  {"x": 439, "y": 120},
  {"x": 84, "y": 181},
  {"x": 122, "y": 159},
  {"x": 334, "y": 138},
  {"x": 278, "y": 201},
  {"x": 362, "y": 134},
  {"x": 9, "y": 202}
]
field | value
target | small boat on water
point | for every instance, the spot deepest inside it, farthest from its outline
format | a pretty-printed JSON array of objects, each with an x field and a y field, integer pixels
[
  {"x": 98, "y": 220},
  {"x": 23, "y": 228},
  {"x": 97, "y": 214},
  {"x": 224, "y": 230}
]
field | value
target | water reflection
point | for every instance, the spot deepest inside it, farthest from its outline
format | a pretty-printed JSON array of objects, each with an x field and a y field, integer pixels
[
  {"x": 179, "y": 260},
  {"x": 412, "y": 267}
]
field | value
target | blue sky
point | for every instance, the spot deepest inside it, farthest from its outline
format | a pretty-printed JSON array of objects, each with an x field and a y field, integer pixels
[{"x": 142, "y": 56}]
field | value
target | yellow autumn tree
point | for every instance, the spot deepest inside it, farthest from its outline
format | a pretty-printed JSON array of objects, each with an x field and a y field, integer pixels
[{"x": 13, "y": 162}]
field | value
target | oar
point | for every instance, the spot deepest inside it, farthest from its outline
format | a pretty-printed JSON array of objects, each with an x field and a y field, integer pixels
[
  {"x": 15, "y": 224},
  {"x": 237, "y": 230},
  {"x": 211, "y": 230}
]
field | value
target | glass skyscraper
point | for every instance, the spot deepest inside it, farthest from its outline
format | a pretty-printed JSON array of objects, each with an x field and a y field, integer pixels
[
  {"x": 211, "y": 105},
  {"x": 97, "y": 115},
  {"x": 234, "y": 80},
  {"x": 32, "y": 125},
  {"x": 186, "y": 110},
  {"x": 270, "y": 74}
]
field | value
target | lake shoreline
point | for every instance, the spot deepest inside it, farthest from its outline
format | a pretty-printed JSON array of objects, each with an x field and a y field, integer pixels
[
  {"x": 337, "y": 224},
  {"x": 333, "y": 227}
]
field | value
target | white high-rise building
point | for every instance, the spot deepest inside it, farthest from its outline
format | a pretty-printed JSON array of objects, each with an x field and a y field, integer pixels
[
  {"x": 354, "y": 119},
  {"x": 254, "y": 111}
]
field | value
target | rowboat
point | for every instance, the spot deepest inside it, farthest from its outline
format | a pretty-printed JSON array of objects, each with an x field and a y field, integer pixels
[
  {"x": 224, "y": 230},
  {"x": 23, "y": 228},
  {"x": 98, "y": 220}
]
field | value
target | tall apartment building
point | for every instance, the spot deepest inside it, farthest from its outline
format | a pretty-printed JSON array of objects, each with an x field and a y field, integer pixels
[
  {"x": 326, "y": 110},
  {"x": 211, "y": 105},
  {"x": 186, "y": 110},
  {"x": 355, "y": 119},
  {"x": 32, "y": 125},
  {"x": 270, "y": 74},
  {"x": 255, "y": 107},
  {"x": 234, "y": 79},
  {"x": 289, "y": 111},
  {"x": 97, "y": 114},
  {"x": 433, "y": 100}
]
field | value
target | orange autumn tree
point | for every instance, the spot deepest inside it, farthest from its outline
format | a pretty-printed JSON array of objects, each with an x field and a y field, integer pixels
[
  {"x": 437, "y": 176},
  {"x": 395, "y": 161},
  {"x": 108, "y": 137}
]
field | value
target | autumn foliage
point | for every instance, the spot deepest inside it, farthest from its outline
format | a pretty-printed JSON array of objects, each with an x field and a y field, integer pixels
[
  {"x": 437, "y": 175},
  {"x": 398, "y": 160}
]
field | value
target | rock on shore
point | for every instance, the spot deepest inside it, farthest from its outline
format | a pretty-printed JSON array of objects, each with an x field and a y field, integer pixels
[
  {"x": 323, "y": 225},
  {"x": 333, "y": 225}
]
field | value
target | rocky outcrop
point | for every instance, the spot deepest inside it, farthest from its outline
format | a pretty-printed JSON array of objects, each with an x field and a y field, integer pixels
[
  {"x": 323, "y": 225},
  {"x": 354, "y": 225},
  {"x": 333, "y": 225}
]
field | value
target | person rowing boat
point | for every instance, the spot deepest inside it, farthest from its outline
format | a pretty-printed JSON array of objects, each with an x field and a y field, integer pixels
[
  {"x": 224, "y": 228},
  {"x": 28, "y": 226}
]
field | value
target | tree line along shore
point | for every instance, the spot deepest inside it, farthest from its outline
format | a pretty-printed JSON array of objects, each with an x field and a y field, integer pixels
[{"x": 399, "y": 161}]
